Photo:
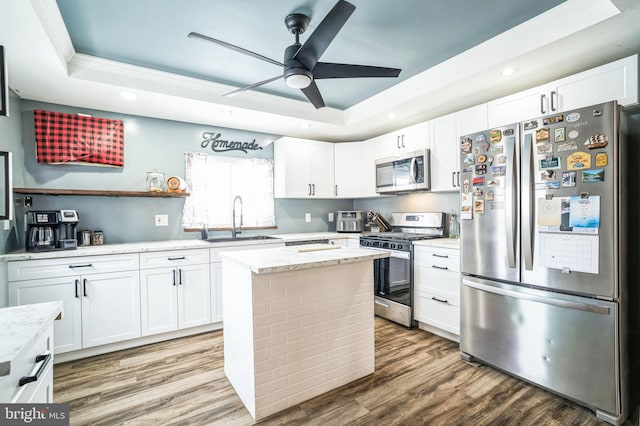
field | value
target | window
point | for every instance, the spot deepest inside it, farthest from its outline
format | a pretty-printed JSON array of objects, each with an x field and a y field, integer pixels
[{"x": 215, "y": 181}]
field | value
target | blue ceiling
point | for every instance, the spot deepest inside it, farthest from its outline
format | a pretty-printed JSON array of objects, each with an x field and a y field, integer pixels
[{"x": 413, "y": 35}]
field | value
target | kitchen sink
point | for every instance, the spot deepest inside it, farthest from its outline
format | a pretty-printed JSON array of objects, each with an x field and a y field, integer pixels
[{"x": 232, "y": 239}]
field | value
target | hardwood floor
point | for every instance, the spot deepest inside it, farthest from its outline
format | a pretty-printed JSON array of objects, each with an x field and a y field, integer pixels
[{"x": 419, "y": 379}]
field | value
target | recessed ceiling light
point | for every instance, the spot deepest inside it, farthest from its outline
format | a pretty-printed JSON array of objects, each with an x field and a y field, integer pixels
[
  {"x": 226, "y": 112},
  {"x": 508, "y": 72},
  {"x": 127, "y": 96},
  {"x": 305, "y": 125},
  {"x": 391, "y": 115}
]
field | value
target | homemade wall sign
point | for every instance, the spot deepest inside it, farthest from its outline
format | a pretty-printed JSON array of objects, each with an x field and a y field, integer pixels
[{"x": 222, "y": 145}]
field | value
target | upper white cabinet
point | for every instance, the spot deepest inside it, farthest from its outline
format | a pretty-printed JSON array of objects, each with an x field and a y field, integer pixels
[
  {"x": 303, "y": 168},
  {"x": 471, "y": 120},
  {"x": 403, "y": 140},
  {"x": 444, "y": 154},
  {"x": 349, "y": 169},
  {"x": 614, "y": 81}
]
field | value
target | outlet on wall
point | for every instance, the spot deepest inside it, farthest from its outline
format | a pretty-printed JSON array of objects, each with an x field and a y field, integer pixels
[
  {"x": 330, "y": 216},
  {"x": 162, "y": 220},
  {"x": 307, "y": 217}
]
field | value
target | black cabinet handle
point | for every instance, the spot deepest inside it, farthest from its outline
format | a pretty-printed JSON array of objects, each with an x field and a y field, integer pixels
[
  {"x": 553, "y": 95},
  {"x": 77, "y": 284},
  {"x": 86, "y": 265},
  {"x": 174, "y": 276},
  {"x": 444, "y": 256},
  {"x": 439, "y": 300},
  {"x": 180, "y": 276},
  {"x": 444, "y": 268},
  {"x": 84, "y": 287},
  {"x": 309, "y": 189},
  {"x": 177, "y": 258},
  {"x": 313, "y": 185},
  {"x": 44, "y": 359},
  {"x": 458, "y": 179}
]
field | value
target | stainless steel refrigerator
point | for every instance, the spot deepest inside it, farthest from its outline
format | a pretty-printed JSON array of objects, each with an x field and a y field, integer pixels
[{"x": 548, "y": 212}]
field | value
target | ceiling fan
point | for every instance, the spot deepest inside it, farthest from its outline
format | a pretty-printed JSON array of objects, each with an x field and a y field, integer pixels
[{"x": 301, "y": 65}]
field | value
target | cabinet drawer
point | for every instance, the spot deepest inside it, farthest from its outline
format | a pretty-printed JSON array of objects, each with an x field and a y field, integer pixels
[
  {"x": 160, "y": 259},
  {"x": 69, "y": 266},
  {"x": 24, "y": 365},
  {"x": 443, "y": 315},
  {"x": 437, "y": 281},
  {"x": 438, "y": 258}
]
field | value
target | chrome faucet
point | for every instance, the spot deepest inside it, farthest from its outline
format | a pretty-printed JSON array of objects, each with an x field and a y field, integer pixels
[{"x": 233, "y": 220}]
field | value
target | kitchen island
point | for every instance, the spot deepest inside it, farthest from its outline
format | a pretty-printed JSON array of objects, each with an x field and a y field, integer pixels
[{"x": 298, "y": 322}]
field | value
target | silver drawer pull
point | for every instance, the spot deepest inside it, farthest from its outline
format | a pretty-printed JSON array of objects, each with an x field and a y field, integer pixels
[
  {"x": 439, "y": 300},
  {"x": 86, "y": 265},
  {"x": 44, "y": 359},
  {"x": 382, "y": 304}
]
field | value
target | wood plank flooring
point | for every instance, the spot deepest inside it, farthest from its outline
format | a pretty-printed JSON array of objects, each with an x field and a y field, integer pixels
[{"x": 419, "y": 379}]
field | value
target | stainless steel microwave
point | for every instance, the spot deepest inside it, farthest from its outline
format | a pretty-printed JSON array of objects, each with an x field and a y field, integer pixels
[{"x": 403, "y": 173}]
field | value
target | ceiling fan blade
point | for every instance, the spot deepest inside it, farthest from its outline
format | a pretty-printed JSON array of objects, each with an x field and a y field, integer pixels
[
  {"x": 251, "y": 86},
  {"x": 234, "y": 48},
  {"x": 330, "y": 70},
  {"x": 313, "y": 94},
  {"x": 324, "y": 34}
]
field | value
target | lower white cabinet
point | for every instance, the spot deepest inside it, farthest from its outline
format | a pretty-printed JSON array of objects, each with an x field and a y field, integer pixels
[
  {"x": 437, "y": 287},
  {"x": 99, "y": 307},
  {"x": 175, "y": 297}
]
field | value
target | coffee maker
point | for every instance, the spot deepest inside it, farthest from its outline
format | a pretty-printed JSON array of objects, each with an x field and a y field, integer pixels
[{"x": 51, "y": 230}]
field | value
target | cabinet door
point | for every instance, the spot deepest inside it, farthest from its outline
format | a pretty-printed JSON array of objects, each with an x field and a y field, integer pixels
[
  {"x": 520, "y": 106},
  {"x": 159, "y": 300},
  {"x": 369, "y": 156},
  {"x": 110, "y": 308},
  {"x": 388, "y": 145},
  {"x": 68, "y": 330},
  {"x": 444, "y": 158},
  {"x": 415, "y": 137},
  {"x": 471, "y": 120},
  {"x": 321, "y": 164},
  {"x": 292, "y": 177},
  {"x": 194, "y": 295},
  {"x": 614, "y": 81},
  {"x": 349, "y": 169},
  {"x": 216, "y": 292}
]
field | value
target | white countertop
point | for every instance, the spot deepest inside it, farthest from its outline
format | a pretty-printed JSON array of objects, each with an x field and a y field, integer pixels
[
  {"x": 453, "y": 243},
  {"x": 20, "y": 326},
  {"x": 149, "y": 246},
  {"x": 284, "y": 259}
]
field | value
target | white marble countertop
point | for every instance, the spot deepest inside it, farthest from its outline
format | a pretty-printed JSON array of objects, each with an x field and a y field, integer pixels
[
  {"x": 315, "y": 236},
  {"x": 20, "y": 326},
  {"x": 284, "y": 259},
  {"x": 439, "y": 242}
]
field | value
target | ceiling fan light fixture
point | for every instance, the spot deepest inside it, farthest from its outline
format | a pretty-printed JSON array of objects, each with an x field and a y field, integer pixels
[{"x": 298, "y": 81}]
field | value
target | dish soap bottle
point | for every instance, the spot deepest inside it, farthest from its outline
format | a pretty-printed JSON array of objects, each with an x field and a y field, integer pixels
[{"x": 453, "y": 225}]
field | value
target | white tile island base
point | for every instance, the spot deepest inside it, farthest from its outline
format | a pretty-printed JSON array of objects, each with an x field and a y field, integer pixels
[{"x": 292, "y": 335}]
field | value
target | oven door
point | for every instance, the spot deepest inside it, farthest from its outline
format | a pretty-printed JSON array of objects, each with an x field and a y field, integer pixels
[{"x": 392, "y": 277}]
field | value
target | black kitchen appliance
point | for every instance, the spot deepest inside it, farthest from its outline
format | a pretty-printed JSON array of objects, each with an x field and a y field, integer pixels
[
  {"x": 393, "y": 276},
  {"x": 51, "y": 230}
]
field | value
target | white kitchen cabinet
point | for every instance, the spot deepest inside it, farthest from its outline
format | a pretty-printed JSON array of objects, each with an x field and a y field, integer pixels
[
  {"x": 444, "y": 154},
  {"x": 437, "y": 288},
  {"x": 613, "y": 81},
  {"x": 101, "y": 302},
  {"x": 175, "y": 290},
  {"x": 303, "y": 168},
  {"x": 471, "y": 120},
  {"x": 404, "y": 140},
  {"x": 369, "y": 156},
  {"x": 349, "y": 169}
]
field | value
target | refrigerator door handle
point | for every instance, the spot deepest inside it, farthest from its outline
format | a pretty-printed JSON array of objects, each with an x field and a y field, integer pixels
[
  {"x": 587, "y": 307},
  {"x": 510, "y": 199},
  {"x": 527, "y": 204}
]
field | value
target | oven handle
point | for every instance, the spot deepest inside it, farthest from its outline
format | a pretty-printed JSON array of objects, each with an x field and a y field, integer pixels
[{"x": 393, "y": 253}]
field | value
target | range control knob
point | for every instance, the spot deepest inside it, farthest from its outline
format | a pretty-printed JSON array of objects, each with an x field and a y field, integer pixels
[{"x": 399, "y": 246}]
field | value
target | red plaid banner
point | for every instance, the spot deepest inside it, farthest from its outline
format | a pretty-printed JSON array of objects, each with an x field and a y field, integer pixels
[{"x": 64, "y": 138}]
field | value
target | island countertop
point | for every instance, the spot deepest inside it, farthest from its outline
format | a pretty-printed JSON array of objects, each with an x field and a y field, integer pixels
[
  {"x": 282, "y": 259},
  {"x": 22, "y": 325}
]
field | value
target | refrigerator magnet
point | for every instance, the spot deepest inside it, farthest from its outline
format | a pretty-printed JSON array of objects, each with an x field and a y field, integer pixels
[
  {"x": 568, "y": 179},
  {"x": 529, "y": 125},
  {"x": 559, "y": 134},
  {"x": 590, "y": 176},
  {"x": 602, "y": 159},
  {"x": 574, "y": 134},
  {"x": 480, "y": 138},
  {"x": 496, "y": 136},
  {"x": 490, "y": 196},
  {"x": 596, "y": 141},
  {"x": 492, "y": 183},
  {"x": 481, "y": 169},
  {"x": 550, "y": 163},
  {"x": 465, "y": 185},
  {"x": 548, "y": 175},
  {"x": 555, "y": 119},
  {"x": 482, "y": 159},
  {"x": 499, "y": 170},
  {"x": 496, "y": 150},
  {"x": 478, "y": 206},
  {"x": 469, "y": 160},
  {"x": 542, "y": 135},
  {"x": 466, "y": 203},
  {"x": 579, "y": 160},
  {"x": 546, "y": 148},
  {"x": 567, "y": 146},
  {"x": 478, "y": 181},
  {"x": 477, "y": 191},
  {"x": 465, "y": 145}
]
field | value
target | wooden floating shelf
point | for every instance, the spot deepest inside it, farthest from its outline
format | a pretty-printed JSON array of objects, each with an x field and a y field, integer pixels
[{"x": 100, "y": 193}]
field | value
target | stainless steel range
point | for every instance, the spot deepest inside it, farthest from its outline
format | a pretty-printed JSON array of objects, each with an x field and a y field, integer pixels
[{"x": 393, "y": 276}]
